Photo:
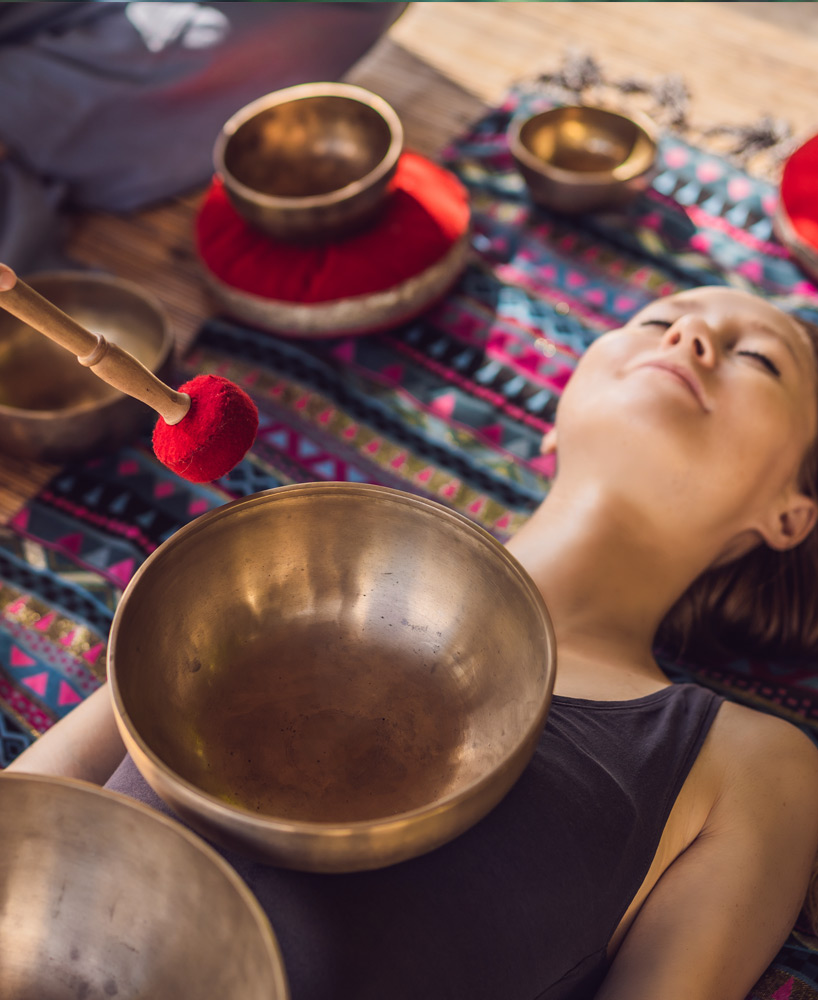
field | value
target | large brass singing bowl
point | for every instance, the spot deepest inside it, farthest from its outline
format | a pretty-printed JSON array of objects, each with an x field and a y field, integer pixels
[
  {"x": 102, "y": 897},
  {"x": 331, "y": 676},
  {"x": 582, "y": 158},
  {"x": 310, "y": 161},
  {"x": 53, "y": 409}
]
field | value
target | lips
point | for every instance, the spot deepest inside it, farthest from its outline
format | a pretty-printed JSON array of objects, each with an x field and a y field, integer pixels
[{"x": 683, "y": 375}]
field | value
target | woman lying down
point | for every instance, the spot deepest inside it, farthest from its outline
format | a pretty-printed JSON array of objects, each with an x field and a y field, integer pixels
[{"x": 661, "y": 842}]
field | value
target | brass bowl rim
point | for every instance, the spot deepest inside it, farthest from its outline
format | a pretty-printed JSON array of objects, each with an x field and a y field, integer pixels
[
  {"x": 89, "y": 277},
  {"x": 345, "y": 829},
  {"x": 582, "y": 178},
  {"x": 299, "y": 92},
  {"x": 197, "y": 843}
]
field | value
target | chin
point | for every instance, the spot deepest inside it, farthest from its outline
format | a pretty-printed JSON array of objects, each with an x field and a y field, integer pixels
[
  {"x": 632, "y": 447},
  {"x": 649, "y": 419}
]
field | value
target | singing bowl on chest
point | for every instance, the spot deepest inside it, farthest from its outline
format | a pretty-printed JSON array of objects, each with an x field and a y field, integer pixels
[
  {"x": 103, "y": 897},
  {"x": 331, "y": 676}
]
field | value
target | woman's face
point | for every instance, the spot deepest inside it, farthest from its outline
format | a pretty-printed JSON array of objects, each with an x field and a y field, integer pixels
[{"x": 704, "y": 397}]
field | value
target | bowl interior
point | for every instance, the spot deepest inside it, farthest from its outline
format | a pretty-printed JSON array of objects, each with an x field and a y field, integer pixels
[
  {"x": 331, "y": 653},
  {"x": 104, "y": 897},
  {"x": 307, "y": 146},
  {"x": 584, "y": 140},
  {"x": 38, "y": 375}
]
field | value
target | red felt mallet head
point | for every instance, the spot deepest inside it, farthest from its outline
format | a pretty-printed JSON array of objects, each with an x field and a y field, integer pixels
[
  {"x": 213, "y": 436},
  {"x": 204, "y": 429}
]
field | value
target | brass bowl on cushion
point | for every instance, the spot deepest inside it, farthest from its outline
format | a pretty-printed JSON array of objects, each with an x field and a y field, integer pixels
[
  {"x": 371, "y": 280},
  {"x": 310, "y": 161},
  {"x": 331, "y": 676},
  {"x": 53, "y": 409},
  {"x": 583, "y": 159},
  {"x": 104, "y": 897}
]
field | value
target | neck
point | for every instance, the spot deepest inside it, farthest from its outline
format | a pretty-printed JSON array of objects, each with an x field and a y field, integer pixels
[{"x": 608, "y": 576}]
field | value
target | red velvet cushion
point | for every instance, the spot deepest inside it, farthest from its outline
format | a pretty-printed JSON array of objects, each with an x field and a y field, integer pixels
[
  {"x": 426, "y": 213},
  {"x": 799, "y": 191}
]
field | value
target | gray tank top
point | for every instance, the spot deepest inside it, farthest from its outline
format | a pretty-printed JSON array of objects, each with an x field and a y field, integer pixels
[{"x": 523, "y": 905}]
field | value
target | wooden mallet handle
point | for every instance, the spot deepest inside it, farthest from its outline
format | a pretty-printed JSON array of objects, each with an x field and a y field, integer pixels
[{"x": 109, "y": 361}]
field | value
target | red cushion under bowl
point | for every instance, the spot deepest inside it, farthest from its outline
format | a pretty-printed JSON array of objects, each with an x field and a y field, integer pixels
[
  {"x": 799, "y": 191},
  {"x": 372, "y": 280},
  {"x": 796, "y": 220}
]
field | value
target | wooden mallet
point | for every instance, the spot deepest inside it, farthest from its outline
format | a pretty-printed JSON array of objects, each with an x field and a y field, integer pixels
[{"x": 204, "y": 429}]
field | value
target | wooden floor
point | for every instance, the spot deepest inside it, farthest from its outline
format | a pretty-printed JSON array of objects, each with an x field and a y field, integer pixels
[{"x": 442, "y": 64}]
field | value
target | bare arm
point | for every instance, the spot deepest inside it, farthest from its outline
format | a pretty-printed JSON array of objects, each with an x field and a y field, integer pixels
[
  {"x": 85, "y": 744},
  {"x": 719, "y": 914}
]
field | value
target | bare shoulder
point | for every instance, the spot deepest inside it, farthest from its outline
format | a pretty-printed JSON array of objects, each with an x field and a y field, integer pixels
[
  {"x": 756, "y": 732},
  {"x": 754, "y": 751}
]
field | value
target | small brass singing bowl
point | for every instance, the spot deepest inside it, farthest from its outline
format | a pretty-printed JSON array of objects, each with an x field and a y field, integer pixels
[
  {"x": 310, "y": 162},
  {"x": 52, "y": 408},
  {"x": 331, "y": 677},
  {"x": 583, "y": 159},
  {"x": 104, "y": 897}
]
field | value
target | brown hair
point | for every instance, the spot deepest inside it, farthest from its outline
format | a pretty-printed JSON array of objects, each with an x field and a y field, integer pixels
[{"x": 765, "y": 603}]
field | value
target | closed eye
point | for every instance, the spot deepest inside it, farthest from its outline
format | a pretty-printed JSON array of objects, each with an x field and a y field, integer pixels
[
  {"x": 770, "y": 365},
  {"x": 656, "y": 322}
]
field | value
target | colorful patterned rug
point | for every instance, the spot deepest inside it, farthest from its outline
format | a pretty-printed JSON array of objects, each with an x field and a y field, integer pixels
[{"x": 452, "y": 406}]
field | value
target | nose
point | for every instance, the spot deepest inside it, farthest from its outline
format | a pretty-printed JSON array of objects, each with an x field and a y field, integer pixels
[{"x": 692, "y": 333}]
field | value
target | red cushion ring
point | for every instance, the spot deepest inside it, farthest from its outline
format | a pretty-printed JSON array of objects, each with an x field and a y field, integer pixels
[
  {"x": 797, "y": 217},
  {"x": 799, "y": 190}
]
